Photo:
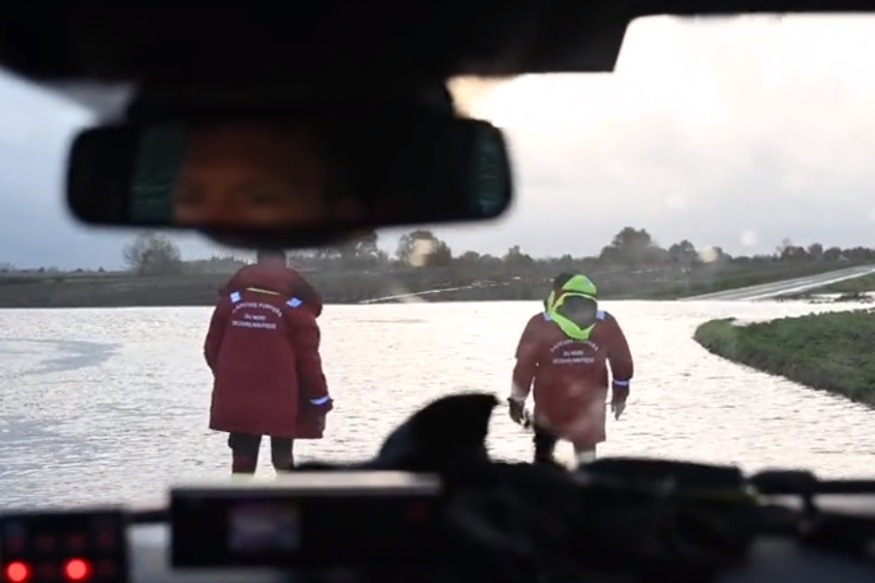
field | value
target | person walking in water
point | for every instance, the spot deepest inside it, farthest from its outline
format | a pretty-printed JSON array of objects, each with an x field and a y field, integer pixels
[
  {"x": 263, "y": 349},
  {"x": 565, "y": 352}
]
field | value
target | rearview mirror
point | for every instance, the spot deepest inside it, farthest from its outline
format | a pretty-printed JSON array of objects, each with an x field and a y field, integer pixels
[{"x": 300, "y": 177}]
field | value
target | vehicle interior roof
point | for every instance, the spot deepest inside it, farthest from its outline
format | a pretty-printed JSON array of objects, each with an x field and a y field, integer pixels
[{"x": 76, "y": 47}]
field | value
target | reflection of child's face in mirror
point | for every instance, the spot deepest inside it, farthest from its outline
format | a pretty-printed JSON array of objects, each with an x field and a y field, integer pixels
[{"x": 251, "y": 175}]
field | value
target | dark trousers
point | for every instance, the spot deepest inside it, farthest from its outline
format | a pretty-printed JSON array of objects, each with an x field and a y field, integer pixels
[
  {"x": 545, "y": 444},
  {"x": 245, "y": 448}
]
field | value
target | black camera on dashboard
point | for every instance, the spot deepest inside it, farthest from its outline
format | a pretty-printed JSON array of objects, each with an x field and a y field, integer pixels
[{"x": 310, "y": 520}]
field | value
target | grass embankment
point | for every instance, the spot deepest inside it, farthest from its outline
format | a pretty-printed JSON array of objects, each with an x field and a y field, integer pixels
[{"x": 833, "y": 352}]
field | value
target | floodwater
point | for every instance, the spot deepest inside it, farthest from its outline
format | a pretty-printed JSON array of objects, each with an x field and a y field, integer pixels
[{"x": 111, "y": 405}]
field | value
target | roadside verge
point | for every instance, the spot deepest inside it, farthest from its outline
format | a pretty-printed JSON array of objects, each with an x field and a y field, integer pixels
[{"x": 834, "y": 352}]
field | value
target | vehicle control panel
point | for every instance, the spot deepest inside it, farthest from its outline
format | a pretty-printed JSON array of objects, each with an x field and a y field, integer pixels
[
  {"x": 310, "y": 520},
  {"x": 74, "y": 547}
]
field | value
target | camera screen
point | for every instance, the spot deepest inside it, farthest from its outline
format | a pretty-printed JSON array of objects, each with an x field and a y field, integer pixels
[{"x": 261, "y": 528}]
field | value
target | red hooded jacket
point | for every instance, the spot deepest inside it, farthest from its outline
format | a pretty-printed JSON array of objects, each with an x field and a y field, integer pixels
[
  {"x": 263, "y": 349},
  {"x": 570, "y": 377}
]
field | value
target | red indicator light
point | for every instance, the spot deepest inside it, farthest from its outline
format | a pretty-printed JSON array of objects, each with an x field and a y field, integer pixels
[
  {"x": 77, "y": 570},
  {"x": 17, "y": 572}
]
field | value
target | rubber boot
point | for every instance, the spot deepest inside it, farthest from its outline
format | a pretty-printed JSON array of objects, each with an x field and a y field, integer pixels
[
  {"x": 243, "y": 467},
  {"x": 283, "y": 464}
]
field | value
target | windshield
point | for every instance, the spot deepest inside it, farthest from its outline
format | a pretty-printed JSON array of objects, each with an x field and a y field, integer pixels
[{"x": 709, "y": 205}]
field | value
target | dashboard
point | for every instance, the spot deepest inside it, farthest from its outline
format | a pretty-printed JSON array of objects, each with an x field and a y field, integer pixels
[
  {"x": 771, "y": 561},
  {"x": 326, "y": 522}
]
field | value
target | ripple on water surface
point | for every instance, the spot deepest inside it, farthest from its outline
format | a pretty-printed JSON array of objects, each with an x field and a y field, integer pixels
[{"x": 112, "y": 405}]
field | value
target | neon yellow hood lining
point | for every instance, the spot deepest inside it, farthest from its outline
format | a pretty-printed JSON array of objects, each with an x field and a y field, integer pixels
[{"x": 580, "y": 286}]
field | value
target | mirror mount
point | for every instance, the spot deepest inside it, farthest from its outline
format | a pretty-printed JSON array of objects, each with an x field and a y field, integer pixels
[{"x": 279, "y": 238}]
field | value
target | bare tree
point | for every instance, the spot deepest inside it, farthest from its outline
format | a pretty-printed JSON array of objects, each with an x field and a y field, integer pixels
[
  {"x": 421, "y": 248},
  {"x": 153, "y": 254}
]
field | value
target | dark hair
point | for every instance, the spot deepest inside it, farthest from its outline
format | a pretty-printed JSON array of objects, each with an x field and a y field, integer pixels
[
  {"x": 561, "y": 279},
  {"x": 267, "y": 253}
]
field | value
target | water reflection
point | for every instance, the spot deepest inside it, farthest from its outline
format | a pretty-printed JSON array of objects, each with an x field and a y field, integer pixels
[{"x": 131, "y": 418}]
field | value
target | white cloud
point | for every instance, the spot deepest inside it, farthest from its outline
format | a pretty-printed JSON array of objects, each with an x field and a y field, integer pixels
[
  {"x": 732, "y": 132},
  {"x": 675, "y": 201}
]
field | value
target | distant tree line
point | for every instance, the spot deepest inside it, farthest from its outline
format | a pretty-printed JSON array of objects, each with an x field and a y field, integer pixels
[
  {"x": 630, "y": 248},
  {"x": 151, "y": 254}
]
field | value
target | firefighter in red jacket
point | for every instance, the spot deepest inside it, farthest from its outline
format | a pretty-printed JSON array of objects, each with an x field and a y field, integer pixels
[
  {"x": 263, "y": 350},
  {"x": 565, "y": 352}
]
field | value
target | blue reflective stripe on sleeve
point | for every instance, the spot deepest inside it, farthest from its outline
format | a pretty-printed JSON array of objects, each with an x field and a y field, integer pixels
[
  {"x": 294, "y": 303},
  {"x": 621, "y": 383},
  {"x": 235, "y": 297},
  {"x": 320, "y": 400}
]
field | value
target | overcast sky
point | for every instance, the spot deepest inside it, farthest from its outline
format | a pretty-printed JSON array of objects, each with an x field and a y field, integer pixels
[{"x": 735, "y": 133}]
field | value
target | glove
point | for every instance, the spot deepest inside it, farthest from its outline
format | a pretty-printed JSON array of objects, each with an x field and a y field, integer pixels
[
  {"x": 516, "y": 411},
  {"x": 619, "y": 394},
  {"x": 617, "y": 408},
  {"x": 320, "y": 422},
  {"x": 311, "y": 419},
  {"x": 323, "y": 409}
]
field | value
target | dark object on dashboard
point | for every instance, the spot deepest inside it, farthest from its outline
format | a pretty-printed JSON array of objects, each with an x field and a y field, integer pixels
[
  {"x": 641, "y": 516},
  {"x": 310, "y": 520},
  {"x": 637, "y": 518},
  {"x": 450, "y": 432},
  {"x": 298, "y": 176},
  {"x": 678, "y": 474},
  {"x": 803, "y": 482},
  {"x": 656, "y": 515}
]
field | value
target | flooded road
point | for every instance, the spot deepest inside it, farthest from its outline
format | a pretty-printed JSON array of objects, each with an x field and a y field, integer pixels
[
  {"x": 111, "y": 405},
  {"x": 787, "y": 287}
]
